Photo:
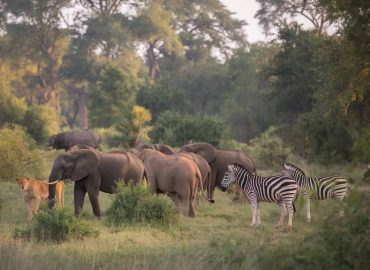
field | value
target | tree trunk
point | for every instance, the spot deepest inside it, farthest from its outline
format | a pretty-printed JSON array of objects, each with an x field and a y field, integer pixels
[
  {"x": 154, "y": 71},
  {"x": 82, "y": 108}
]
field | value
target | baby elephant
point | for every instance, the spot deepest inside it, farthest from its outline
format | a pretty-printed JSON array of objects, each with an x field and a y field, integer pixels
[{"x": 33, "y": 191}]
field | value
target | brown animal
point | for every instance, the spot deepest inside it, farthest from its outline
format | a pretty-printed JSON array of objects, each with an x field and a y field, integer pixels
[{"x": 33, "y": 191}]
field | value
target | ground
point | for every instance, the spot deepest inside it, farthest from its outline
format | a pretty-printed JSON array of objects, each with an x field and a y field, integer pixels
[{"x": 218, "y": 237}]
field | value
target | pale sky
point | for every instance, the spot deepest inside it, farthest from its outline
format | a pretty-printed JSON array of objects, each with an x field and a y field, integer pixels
[{"x": 245, "y": 10}]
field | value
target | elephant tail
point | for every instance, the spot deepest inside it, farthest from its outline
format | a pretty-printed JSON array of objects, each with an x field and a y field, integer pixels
[{"x": 201, "y": 186}]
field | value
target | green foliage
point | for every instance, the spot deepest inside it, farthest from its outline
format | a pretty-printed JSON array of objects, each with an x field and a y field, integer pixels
[
  {"x": 12, "y": 109},
  {"x": 269, "y": 150},
  {"x": 342, "y": 242},
  {"x": 246, "y": 107},
  {"x": 59, "y": 224},
  {"x": 327, "y": 136},
  {"x": 19, "y": 156},
  {"x": 41, "y": 122},
  {"x": 112, "y": 97},
  {"x": 134, "y": 204},
  {"x": 361, "y": 147},
  {"x": 295, "y": 71},
  {"x": 177, "y": 129}
]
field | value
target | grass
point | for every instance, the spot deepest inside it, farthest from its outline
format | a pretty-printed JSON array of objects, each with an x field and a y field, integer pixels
[{"x": 218, "y": 237}]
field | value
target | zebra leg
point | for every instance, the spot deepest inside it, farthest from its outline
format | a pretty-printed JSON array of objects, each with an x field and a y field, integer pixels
[
  {"x": 282, "y": 213},
  {"x": 306, "y": 197},
  {"x": 258, "y": 218},
  {"x": 289, "y": 206},
  {"x": 254, "y": 212}
]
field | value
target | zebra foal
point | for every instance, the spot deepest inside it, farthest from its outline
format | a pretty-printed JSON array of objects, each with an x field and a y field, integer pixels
[
  {"x": 280, "y": 189},
  {"x": 324, "y": 187}
]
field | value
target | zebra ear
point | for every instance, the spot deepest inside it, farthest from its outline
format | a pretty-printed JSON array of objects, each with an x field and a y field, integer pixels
[{"x": 230, "y": 167}]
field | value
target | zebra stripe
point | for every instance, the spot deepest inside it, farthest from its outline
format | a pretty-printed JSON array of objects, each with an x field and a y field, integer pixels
[
  {"x": 280, "y": 189},
  {"x": 323, "y": 187}
]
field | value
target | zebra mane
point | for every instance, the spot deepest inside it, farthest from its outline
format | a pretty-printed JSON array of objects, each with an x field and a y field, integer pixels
[
  {"x": 239, "y": 167},
  {"x": 292, "y": 167}
]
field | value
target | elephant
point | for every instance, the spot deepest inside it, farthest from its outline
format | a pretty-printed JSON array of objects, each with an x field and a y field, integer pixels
[
  {"x": 203, "y": 166},
  {"x": 177, "y": 176},
  {"x": 163, "y": 148},
  {"x": 218, "y": 161},
  {"x": 93, "y": 171},
  {"x": 66, "y": 140}
]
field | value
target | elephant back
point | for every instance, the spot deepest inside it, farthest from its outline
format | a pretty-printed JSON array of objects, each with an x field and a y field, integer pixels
[{"x": 206, "y": 150}]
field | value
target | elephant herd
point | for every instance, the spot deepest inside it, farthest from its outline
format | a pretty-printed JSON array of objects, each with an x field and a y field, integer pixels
[{"x": 179, "y": 174}]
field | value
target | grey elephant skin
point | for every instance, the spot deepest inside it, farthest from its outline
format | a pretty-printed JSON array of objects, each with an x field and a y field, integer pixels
[
  {"x": 163, "y": 148},
  {"x": 65, "y": 140},
  {"x": 218, "y": 161},
  {"x": 203, "y": 166},
  {"x": 93, "y": 171},
  {"x": 177, "y": 176}
]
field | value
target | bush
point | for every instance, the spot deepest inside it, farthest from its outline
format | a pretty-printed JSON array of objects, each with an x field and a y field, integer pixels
[
  {"x": 342, "y": 243},
  {"x": 177, "y": 129},
  {"x": 59, "y": 224},
  {"x": 269, "y": 150},
  {"x": 19, "y": 155},
  {"x": 41, "y": 122},
  {"x": 134, "y": 204}
]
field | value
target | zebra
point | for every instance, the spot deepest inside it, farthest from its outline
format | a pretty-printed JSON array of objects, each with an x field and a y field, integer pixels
[
  {"x": 324, "y": 187},
  {"x": 280, "y": 189}
]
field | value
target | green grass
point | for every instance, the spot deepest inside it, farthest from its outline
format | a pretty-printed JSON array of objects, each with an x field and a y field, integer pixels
[{"x": 218, "y": 237}]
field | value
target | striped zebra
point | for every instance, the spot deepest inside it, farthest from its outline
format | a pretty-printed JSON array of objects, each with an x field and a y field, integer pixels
[
  {"x": 323, "y": 187},
  {"x": 280, "y": 189}
]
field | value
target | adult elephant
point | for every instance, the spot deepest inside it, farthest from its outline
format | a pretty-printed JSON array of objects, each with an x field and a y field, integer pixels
[
  {"x": 163, "y": 148},
  {"x": 218, "y": 161},
  {"x": 203, "y": 166},
  {"x": 177, "y": 176},
  {"x": 65, "y": 140},
  {"x": 93, "y": 171}
]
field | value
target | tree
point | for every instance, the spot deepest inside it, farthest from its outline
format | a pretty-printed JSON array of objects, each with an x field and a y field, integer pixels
[
  {"x": 272, "y": 11},
  {"x": 112, "y": 99},
  {"x": 177, "y": 129},
  {"x": 34, "y": 31},
  {"x": 297, "y": 71}
]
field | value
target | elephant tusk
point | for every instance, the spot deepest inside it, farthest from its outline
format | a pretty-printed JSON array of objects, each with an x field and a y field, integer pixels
[{"x": 52, "y": 183}]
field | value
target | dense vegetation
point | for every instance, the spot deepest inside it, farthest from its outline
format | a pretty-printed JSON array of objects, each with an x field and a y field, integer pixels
[
  {"x": 77, "y": 64},
  {"x": 171, "y": 71}
]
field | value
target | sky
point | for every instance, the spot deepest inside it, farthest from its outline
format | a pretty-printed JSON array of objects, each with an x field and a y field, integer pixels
[{"x": 245, "y": 10}]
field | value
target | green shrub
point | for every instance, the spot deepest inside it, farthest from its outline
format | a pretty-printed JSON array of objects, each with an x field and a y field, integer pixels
[
  {"x": 342, "y": 242},
  {"x": 177, "y": 129},
  {"x": 41, "y": 122},
  {"x": 134, "y": 204},
  {"x": 269, "y": 150},
  {"x": 19, "y": 155},
  {"x": 59, "y": 224}
]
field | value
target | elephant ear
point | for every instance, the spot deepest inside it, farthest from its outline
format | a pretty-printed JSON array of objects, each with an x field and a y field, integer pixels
[
  {"x": 206, "y": 150},
  {"x": 86, "y": 162},
  {"x": 165, "y": 149}
]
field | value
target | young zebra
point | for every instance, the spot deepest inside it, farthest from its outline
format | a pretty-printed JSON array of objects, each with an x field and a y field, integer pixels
[
  {"x": 280, "y": 189},
  {"x": 324, "y": 187}
]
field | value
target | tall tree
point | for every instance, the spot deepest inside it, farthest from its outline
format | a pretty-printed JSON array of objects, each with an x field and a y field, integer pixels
[
  {"x": 34, "y": 30},
  {"x": 273, "y": 11}
]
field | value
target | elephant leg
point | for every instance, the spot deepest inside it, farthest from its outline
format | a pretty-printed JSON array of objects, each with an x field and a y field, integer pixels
[
  {"x": 79, "y": 197},
  {"x": 213, "y": 182},
  {"x": 94, "y": 200},
  {"x": 175, "y": 199}
]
